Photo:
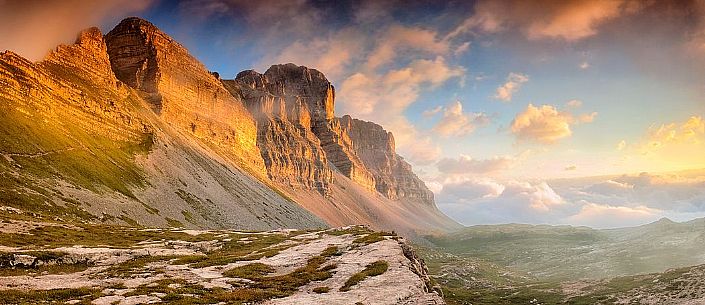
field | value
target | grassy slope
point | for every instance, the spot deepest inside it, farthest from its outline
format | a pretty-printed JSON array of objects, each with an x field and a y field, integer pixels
[{"x": 37, "y": 146}]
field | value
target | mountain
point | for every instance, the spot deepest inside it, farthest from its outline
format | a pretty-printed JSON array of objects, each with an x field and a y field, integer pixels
[
  {"x": 129, "y": 128},
  {"x": 656, "y": 263},
  {"x": 566, "y": 252}
]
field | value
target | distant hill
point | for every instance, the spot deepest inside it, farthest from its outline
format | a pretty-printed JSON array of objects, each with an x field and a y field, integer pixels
[{"x": 566, "y": 252}]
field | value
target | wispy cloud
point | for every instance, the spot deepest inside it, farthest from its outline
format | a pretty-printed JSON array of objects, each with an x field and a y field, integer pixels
[
  {"x": 32, "y": 28},
  {"x": 506, "y": 91}
]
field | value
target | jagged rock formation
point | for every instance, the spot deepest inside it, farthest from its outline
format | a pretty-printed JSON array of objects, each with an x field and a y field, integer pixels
[
  {"x": 129, "y": 128},
  {"x": 302, "y": 97},
  {"x": 394, "y": 177},
  {"x": 181, "y": 89},
  {"x": 298, "y": 134},
  {"x": 79, "y": 144},
  {"x": 291, "y": 152}
]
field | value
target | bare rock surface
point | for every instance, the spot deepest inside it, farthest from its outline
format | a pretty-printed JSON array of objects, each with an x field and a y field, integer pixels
[{"x": 219, "y": 266}]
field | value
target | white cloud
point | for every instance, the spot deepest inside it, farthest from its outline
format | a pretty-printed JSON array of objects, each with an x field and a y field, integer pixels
[
  {"x": 465, "y": 165},
  {"x": 545, "y": 124},
  {"x": 513, "y": 82},
  {"x": 456, "y": 122},
  {"x": 600, "y": 215}
]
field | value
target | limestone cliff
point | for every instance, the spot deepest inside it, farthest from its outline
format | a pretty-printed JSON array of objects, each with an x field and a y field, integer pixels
[
  {"x": 287, "y": 96},
  {"x": 129, "y": 128},
  {"x": 298, "y": 134},
  {"x": 291, "y": 152},
  {"x": 181, "y": 89},
  {"x": 394, "y": 177},
  {"x": 77, "y": 144}
]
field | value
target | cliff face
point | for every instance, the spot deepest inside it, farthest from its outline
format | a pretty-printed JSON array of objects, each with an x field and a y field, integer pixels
[
  {"x": 297, "y": 131},
  {"x": 129, "y": 128},
  {"x": 394, "y": 177},
  {"x": 181, "y": 90},
  {"x": 298, "y": 134}
]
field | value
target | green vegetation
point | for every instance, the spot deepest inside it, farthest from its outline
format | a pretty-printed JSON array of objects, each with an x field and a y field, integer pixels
[
  {"x": 322, "y": 289},
  {"x": 94, "y": 235},
  {"x": 373, "y": 269},
  {"x": 372, "y": 238},
  {"x": 64, "y": 147},
  {"x": 48, "y": 296},
  {"x": 174, "y": 223},
  {"x": 249, "y": 271}
]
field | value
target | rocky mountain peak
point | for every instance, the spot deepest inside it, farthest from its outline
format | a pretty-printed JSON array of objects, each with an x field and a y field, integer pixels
[
  {"x": 181, "y": 90},
  {"x": 309, "y": 84}
]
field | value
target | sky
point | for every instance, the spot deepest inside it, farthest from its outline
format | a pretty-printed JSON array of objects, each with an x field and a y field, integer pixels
[{"x": 560, "y": 112}]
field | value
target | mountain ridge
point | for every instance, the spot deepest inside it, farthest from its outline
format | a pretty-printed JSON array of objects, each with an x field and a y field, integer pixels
[{"x": 199, "y": 151}]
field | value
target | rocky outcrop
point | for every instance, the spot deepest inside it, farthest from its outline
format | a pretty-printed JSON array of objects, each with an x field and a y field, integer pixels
[
  {"x": 181, "y": 90},
  {"x": 375, "y": 146},
  {"x": 291, "y": 152},
  {"x": 298, "y": 134}
]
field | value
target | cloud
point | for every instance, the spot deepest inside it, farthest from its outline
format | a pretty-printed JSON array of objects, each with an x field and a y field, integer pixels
[
  {"x": 621, "y": 145},
  {"x": 384, "y": 97},
  {"x": 332, "y": 54},
  {"x": 402, "y": 39},
  {"x": 32, "y": 28},
  {"x": 485, "y": 201},
  {"x": 423, "y": 152},
  {"x": 545, "y": 124},
  {"x": 455, "y": 122},
  {"x": 466, "y": 191},
  {"x": 691, "y": 131},
  {"x": 511, "y": 86},
  {"x": 601, "y": 202},
  {"x": 546, "y": 19},
  {"x": 600, "y": 215},
  {"x": 584, "y": 65},
  {"x": 464, "y": 165}
]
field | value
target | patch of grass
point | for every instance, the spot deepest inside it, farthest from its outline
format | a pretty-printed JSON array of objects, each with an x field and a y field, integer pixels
[
  {"x": 133, "y": 266},
  {"x": 323, "y": 289},
  {"x": 234, "y": 251},
  {"x": 94, "y": 235},
  {"x": 13, "y": 296},
  {"x": 373, "y": 269},
  {"x": 174, "y": 223},
  {"x": 372, "y": 238},
  {"x": 314, "y": 270},
  {"x": 249, "y": 271},
  {"x": 188, "y": 216},
  {"x": 150, "y": 209},
  {"x": 129, "y": 220},
  {"x": 331, "y": 251}
]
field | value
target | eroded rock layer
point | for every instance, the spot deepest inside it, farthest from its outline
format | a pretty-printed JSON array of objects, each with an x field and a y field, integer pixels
[
  {"x": 181, "y": 89},
  {"x": 298, "y": 134},
  {"x": 375, "y": 146}
]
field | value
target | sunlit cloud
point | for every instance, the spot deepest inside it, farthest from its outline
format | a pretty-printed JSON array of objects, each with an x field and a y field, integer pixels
[
  {"x": 456, "y": 122},
  {"x": 506, "y": 91},
  {"x": 33, "y": 28},
  {"x": 564, "y": 20},
  {"x": 464, "y": 165},
  {"x": 546, "y": 124}
]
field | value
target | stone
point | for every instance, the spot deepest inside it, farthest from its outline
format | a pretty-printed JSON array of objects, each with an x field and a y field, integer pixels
[
  {"x": 394, "y": 177},
  {"x": 181, "y": 90}
]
